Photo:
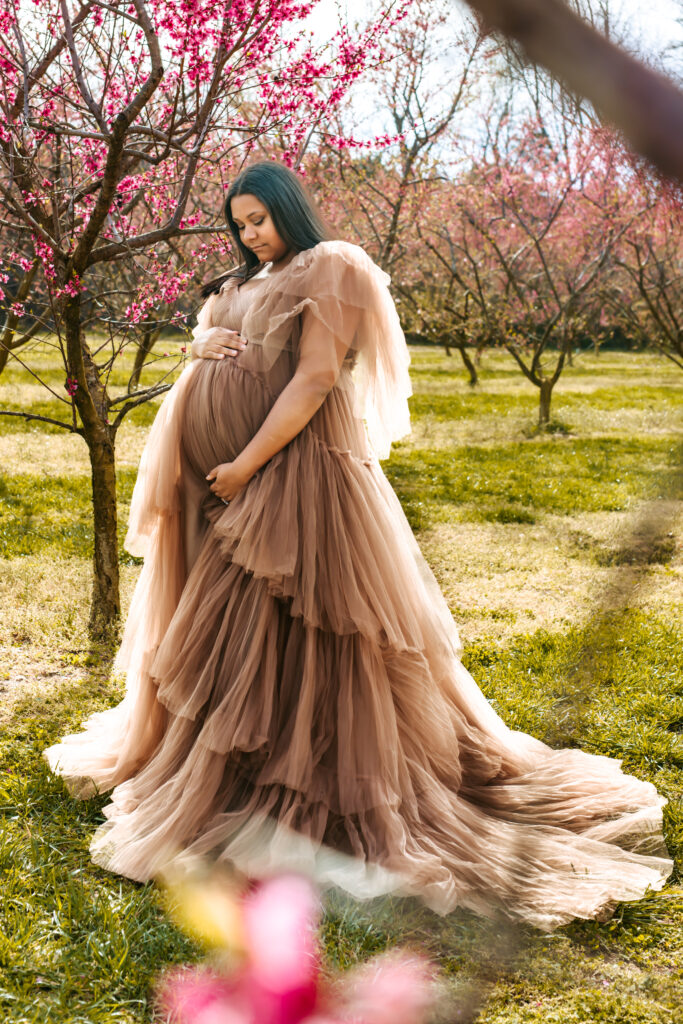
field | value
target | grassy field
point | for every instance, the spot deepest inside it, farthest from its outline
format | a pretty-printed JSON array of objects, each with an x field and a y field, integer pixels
[{"x": 560, "y": 556}]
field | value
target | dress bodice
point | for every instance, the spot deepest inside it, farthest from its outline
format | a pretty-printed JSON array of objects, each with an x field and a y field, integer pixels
[{"x": 232, "y": 301}]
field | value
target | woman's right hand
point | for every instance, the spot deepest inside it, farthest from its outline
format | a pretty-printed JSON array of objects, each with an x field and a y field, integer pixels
[{"x": 216, "y": 343}]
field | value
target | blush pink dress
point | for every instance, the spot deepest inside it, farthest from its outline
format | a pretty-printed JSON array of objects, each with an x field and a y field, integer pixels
[{"x": 295, "y": 695}]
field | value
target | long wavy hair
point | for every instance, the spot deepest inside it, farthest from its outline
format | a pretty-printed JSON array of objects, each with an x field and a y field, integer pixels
[{"x": 293, "y": 212}]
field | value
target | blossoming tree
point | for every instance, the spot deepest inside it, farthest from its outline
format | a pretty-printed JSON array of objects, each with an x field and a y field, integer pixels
[
  {"x": 647, "y": 296},
  {"x": 119, "y": 124},
  {"x": 523, "y": 244}
]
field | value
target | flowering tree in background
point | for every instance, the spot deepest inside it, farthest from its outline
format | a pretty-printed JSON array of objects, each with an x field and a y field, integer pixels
[
  {"x": 375, "y": 194},
  {"x": 523, "y": 241},
  {"x": 647, "y": 299},
  {"x": 629, "y": 95},
  {"x": 374, "y": 197},
  {"x": 120, "y": 123}
]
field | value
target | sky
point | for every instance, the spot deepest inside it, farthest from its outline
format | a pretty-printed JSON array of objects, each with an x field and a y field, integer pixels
[
  {"x": 648, "y": 28},
  {"x": 654, "y": 21}
]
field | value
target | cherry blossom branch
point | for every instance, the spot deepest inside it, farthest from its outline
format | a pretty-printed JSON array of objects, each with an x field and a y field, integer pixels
[
  {"x": 105, "y": 253},
  {"x": 137, "y": 398},
  {"x": 34, "y": 76},
  {"x": 94, "y": 108}
]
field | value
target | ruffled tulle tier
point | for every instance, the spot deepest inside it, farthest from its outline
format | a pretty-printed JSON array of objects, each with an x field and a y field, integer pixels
[{"x": 280, "y": 732}]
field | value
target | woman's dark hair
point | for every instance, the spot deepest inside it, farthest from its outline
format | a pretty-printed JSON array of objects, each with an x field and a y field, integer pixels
[{"x": 292, "y": 211}]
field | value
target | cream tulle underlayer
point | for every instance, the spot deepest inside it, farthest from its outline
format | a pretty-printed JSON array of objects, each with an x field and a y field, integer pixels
[{"x": 295, "y": 695}]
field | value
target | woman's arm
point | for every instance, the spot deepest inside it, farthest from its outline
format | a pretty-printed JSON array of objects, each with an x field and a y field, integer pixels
[{"x": 320, "y": 359}]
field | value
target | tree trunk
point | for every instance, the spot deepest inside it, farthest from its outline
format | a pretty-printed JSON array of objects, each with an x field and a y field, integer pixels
[
  {"x": 92, "y": 403},
  {"x": 545, "y": 394},
  {"x": 144, "y": 348},
  {"x": 105, "y": 608},
  {"x": 469, "y": 365}
]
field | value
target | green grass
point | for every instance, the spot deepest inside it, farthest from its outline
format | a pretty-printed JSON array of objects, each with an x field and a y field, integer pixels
[
  {"x": 448, "y": 406},
  {"x": 517, "y": 482},
  {"x": 504, "y": 484},
  {"x": 80, "y": 945},
  {"x": 54, "y": 519},
  {"x": 141, "y": 416},
  {"x": 75, "y": 944},
  {"x": 613, "y": 687},
  {"x": 17, "y": 383}
]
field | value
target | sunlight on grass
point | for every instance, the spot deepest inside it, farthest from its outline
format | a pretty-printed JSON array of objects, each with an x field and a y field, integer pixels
[
  {"x": 516, "y": 483},
  {"x": 35, "y": 518}
]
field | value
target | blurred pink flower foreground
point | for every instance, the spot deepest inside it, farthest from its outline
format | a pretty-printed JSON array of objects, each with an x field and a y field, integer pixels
[{"x": 273, "y": 974}]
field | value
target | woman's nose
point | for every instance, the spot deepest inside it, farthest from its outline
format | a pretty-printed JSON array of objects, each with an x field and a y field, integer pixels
[{"x": 249, "y": 233}]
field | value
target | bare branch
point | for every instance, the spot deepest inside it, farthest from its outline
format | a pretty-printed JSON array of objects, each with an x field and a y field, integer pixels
[{"x": 43, "y": 419}]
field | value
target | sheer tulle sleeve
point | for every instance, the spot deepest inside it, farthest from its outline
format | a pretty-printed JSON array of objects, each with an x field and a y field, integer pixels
[
  {"x": 338, "y": 285},
  {"x": 204, "y": 318},
  {"x": 157, "y": 489}
]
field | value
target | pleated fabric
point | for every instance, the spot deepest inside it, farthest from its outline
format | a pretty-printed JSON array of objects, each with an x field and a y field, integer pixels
[{"x": 295, "y": 696}]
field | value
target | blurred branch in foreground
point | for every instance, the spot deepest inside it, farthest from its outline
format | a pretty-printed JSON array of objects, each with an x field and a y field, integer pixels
[{"x": 642, "y": 103}]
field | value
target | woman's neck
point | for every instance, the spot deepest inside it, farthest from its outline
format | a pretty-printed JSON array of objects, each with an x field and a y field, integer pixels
[{"x": 277, "y": 265}]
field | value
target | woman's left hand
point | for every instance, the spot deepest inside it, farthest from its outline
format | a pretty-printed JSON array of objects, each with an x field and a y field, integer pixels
[{"x": 228, "y": 480}]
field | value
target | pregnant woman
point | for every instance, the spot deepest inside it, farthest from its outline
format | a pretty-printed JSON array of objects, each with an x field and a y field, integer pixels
[{"x": 294, "y": 688}]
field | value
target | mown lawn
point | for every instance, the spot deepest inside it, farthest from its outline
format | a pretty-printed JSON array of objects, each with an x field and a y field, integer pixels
[{"x": 560, "y": 557}]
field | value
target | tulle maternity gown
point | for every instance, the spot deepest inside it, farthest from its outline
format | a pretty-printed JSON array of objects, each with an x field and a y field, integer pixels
[{"x": 294, "y": 691}]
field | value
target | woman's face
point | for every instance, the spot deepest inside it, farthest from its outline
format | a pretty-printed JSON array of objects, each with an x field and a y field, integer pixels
[{"x": 256, "y": 228}]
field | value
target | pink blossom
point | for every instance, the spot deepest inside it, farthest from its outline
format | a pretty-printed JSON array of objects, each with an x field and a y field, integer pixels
[
  {"x": 392, "y": 989},
  {"x": 201, "y": 997},
  {"x": 275, "y": 974},
  {"x": 280, "y": 918}
]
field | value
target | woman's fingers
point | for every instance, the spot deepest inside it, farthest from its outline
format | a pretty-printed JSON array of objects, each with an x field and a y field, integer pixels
[
  {"x": 227, "y": 340},
  {"x": 217, "y": 350},
  {"x": 217, "y": 342}
]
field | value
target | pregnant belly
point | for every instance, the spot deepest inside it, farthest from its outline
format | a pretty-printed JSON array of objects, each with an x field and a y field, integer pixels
[{"x": 225, "y": 407}]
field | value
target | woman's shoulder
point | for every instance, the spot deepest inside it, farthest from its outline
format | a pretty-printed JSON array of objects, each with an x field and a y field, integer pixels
[
  {"x": 231, "y": 281},
  {"x": 338, "y": 256},
  {"x": 337, "y": 248}
]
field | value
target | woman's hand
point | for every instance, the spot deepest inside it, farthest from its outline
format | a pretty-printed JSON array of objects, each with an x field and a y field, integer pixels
[
  {"x": 228, "y": 480},
  {"x": 216, "y": 343}
]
